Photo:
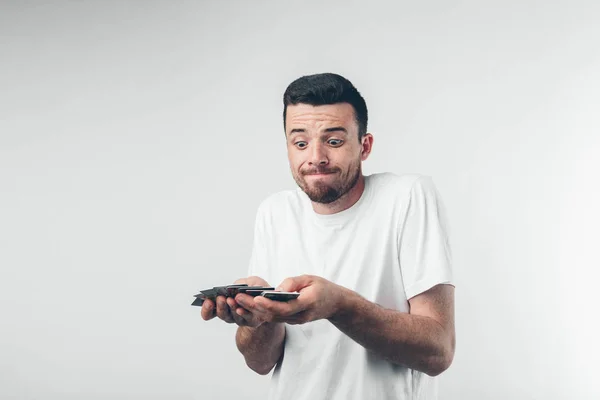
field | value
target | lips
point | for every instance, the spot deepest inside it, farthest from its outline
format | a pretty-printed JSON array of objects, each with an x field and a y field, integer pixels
[{"x": 319, "y": 173}]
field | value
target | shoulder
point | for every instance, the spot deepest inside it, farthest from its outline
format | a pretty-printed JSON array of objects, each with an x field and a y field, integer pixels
[
  {"x": 401, "y": 186},
  {"x": 280, "y": 203}
]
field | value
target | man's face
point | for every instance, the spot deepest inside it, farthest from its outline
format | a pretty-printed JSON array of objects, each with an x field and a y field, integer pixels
[{"x": 323, "y": 149}]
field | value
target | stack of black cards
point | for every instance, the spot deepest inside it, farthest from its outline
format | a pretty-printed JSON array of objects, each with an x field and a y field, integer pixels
[{"x": 233, "y": 290}]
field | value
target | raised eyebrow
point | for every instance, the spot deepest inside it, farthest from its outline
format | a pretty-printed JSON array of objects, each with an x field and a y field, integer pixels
[
  {"x": 328, "y": 130},
  {"x": 337, "y": 129},
  {"x": 296, "y": 130}
]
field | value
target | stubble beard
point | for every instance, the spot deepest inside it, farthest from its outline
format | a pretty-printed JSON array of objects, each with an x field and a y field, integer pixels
[{"x": 326, "y": 193}]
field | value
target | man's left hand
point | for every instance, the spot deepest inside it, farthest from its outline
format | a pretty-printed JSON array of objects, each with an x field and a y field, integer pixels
[{"x": 319, "y": 299}]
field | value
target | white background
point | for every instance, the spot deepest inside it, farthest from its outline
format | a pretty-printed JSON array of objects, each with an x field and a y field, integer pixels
[{"x": 138, "y": 138}]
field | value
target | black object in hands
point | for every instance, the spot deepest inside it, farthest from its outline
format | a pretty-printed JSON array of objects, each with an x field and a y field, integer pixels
[{"x": 233, "y": 290}]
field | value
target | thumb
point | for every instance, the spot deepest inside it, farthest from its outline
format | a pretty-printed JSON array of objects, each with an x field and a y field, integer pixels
[{"x": 295, "y": 284}]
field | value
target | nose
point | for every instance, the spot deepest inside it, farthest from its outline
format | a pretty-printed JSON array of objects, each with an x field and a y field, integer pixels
[{"x": 318, "y": 155}]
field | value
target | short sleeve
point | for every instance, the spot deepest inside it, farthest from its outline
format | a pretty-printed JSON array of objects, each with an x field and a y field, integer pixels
[{"x": 424, "y": 249}]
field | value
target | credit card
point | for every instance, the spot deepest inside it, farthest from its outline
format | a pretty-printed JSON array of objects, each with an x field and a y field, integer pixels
[
  {"x": 231, "y": 292},
  {"x": 254, "y": 292},
  {"x": 280, "y": 296},
  {"x": 198, "y": 302},
  {"x": 209, "y": 292},
  {"x": 222, "y": 290}
]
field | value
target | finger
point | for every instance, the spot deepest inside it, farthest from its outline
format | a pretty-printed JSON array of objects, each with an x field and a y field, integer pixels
[
  {"x": 249, "y": 310},
  {"x": 236, "y": 308},
  {"x": 233, "y": 306},
  {"x": 246, "y": 318},
  {"x": 231, "y": 303},
  {"x": 243, "y": 313},
  {"x": 245, "y": 301},
  {"x": 249, "y": 303},
  {"x": 278, "y": 308},
  {"x": 241, "y": 316},
  {"x": 223, "y": 310},
  {"x": 208, "y": 310},
  {"x": 295, "y": 284}
]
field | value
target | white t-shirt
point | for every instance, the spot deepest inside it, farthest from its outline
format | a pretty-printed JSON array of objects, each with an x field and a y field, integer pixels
[{"x": 391, "y": 245}]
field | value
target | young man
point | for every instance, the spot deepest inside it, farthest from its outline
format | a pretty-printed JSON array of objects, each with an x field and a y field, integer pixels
[{"x": 369, "y": 256}]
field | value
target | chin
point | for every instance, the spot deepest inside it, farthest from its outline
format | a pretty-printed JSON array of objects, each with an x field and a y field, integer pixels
[{"x": 323, "y": 195}]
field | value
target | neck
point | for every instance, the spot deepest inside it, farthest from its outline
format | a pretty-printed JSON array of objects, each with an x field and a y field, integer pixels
[{"x": 344, "y": 202}]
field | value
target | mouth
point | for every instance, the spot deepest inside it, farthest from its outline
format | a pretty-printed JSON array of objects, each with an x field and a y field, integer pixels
[{"x": 320, "y": 173}]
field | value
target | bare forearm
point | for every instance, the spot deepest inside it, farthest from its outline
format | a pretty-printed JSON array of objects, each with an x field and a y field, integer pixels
[
  {"x": 261, "y": 347},
  {"x": 415, "y": 341}
]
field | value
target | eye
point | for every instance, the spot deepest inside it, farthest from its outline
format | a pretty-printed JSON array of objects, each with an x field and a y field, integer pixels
[
  {"x": 335, "y": 142},
  {"x": 300, "y": 144}
]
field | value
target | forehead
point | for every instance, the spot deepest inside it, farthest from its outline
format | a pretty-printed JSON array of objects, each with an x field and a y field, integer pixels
[{"x": 341, "y": 114}]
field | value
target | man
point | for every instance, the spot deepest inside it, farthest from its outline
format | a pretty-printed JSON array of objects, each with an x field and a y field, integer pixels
[{"x": 369, "y": 256}]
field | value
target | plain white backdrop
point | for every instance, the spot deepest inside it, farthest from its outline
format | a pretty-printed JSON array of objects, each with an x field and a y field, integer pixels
[{"x": 138, "y": 138}]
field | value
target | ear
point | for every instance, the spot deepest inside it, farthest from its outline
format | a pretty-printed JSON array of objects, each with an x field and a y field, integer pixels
[{"x": 367, "y": 146}]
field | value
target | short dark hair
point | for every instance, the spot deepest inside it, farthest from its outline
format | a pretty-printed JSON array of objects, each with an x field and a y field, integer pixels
[{"x": 323, "y": 89}]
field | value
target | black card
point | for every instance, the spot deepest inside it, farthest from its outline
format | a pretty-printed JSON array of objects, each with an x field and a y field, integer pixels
[
  {"x": 198, "y": 302},
  {"x": 280, "y": 296}
]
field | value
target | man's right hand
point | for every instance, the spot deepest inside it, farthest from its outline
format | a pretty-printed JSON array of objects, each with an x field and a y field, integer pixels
[{"x": 228, "y": 310}]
